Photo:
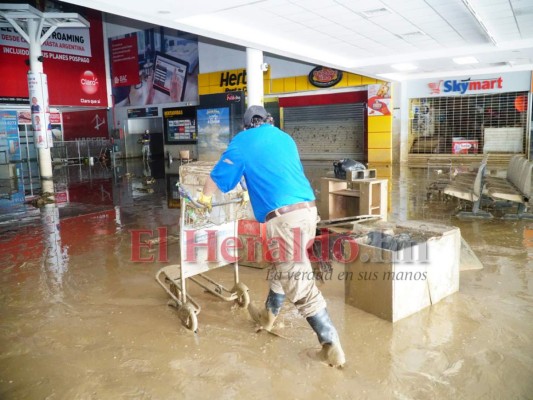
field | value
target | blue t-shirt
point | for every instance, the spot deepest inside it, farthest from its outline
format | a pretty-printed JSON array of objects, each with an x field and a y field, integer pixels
[{"x": 269, "y": 160}]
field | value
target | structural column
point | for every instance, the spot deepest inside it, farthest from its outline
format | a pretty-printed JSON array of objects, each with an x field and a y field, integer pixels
[
  {"x": 39, "y": 26},
  {"x": 255, "y": 67},
  {"x": 36, "y": 67}
]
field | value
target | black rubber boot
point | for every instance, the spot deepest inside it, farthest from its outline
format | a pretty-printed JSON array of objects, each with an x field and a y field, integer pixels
[
  {"x": 267, "y": 316},
  {"x": 328, "y": 337}
]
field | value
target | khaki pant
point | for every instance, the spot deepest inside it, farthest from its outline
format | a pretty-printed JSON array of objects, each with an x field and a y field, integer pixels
[
  {"x": 291, "y": 272},
  {"x": 146, "y": 151}
]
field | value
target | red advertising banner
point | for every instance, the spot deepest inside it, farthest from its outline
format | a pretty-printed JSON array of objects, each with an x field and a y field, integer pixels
[
  {"x": 73, "y": 60},
  {"x": 124, "y": 61}
]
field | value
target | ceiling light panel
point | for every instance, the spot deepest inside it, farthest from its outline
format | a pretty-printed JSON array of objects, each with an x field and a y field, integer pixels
[
  {"x": 465, "y": 60},
  {"x": 380, "y": 12},
  {"x": 404, "y": 67}
]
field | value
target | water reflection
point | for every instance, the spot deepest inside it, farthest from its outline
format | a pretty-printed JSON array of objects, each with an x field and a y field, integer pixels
[
  {"x": 70, "y": 294},
  {"x": 55, "y": 257}
]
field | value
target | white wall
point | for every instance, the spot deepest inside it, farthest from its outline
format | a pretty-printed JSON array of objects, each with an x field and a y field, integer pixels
[{"x": 218, "y": 56}]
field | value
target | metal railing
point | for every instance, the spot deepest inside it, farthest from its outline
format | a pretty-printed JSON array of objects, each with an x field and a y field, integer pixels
[{"x": 78, "y": 151}]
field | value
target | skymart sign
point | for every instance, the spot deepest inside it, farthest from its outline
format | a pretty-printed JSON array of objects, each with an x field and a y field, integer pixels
[{"x": 453, "y": 86}]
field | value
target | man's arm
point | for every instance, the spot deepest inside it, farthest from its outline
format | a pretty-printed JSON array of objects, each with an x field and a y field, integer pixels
[
  {"x": 206, "y": 195},
  {"x": 210, "y": 187}
]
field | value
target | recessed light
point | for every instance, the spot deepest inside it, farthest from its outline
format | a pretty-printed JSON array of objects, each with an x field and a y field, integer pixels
[
  {"x": 376, "y": 12},
  {"x": 465, "y": 60},
  {"x": 404, "y": 67},
  {"x": 163, "y": 12},
  {"x": 412, "y": 34}
]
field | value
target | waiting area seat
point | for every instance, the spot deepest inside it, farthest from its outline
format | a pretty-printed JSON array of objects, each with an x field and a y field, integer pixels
[
  {"x": 471, "y": 191},
  {"x": 515, "y": 188}
]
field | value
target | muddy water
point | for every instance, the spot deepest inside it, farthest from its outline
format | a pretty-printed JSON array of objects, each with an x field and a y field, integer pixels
[{"x": 82, "y": 320}]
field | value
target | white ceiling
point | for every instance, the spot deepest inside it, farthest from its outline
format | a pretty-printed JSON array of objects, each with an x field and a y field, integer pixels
[{"x": 364, "y": 37}]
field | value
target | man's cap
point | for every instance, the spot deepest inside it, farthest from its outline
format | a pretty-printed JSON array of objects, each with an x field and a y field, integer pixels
[{"x": 254, "y": 111}]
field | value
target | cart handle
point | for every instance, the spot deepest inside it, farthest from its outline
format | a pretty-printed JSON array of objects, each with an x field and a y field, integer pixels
[{"x": 187, "y": 195}]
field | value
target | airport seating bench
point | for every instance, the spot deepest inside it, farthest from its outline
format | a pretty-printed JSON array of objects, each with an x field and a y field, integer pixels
[{"x": 516, "y": 187}]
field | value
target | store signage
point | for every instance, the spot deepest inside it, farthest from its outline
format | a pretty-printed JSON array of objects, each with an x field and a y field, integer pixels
[
  {"x": 324, "y": 77},
  {"x": 465, "y": 85},
  {"x": 233, "y": 98},
  {"x": 232, "y": 81},
  {"x": 503, "y": 82}
]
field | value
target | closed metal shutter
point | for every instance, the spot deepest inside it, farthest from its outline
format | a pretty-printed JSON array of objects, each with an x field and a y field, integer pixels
[
  {"x": 327, "y": 132},
  {"x": 476, "y": 124}
]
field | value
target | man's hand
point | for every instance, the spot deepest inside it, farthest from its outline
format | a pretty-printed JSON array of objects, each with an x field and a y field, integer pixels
[
  {"x": 245, "y": 198},
  {"x": 205, "y": 200}
]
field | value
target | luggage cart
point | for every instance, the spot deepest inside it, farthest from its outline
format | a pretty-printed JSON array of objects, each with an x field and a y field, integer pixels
[{"x": 197, "y": 226}]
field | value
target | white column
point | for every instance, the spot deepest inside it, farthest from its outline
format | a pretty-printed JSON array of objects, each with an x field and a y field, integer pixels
[
  {"x": 404, "y": 123},
  {"x": 36, "y": 66},
  {"x": 254, "y": 77}
]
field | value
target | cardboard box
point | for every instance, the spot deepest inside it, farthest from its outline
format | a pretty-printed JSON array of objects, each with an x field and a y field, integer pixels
[
  {"x": 464, "y": 146},
  {"x": 393, "y": 284}
]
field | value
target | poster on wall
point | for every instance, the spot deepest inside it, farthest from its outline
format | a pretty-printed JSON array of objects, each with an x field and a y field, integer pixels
[
  {"x": 379, "y": 99},
  {"x": 73, "y": 60},
  {"x": 9, "y": 136},
  {"x": 124, "y": 61},
  {"x": 213, "y": 132},
  {"x": 40, "y": 111},
  {"x": 154, "y": 66}
]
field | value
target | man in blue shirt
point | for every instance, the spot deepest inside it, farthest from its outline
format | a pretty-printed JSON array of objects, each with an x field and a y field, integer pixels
[{"x": 281, "y": 196}]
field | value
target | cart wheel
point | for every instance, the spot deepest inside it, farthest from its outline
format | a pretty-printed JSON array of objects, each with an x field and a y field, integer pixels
[
  {"x": 188, "y": 317},
  {"x": 243, "y": 297}
]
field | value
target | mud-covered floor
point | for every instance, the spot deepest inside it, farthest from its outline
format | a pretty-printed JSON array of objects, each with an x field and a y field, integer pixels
[{"x": 81, "y": 319}]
